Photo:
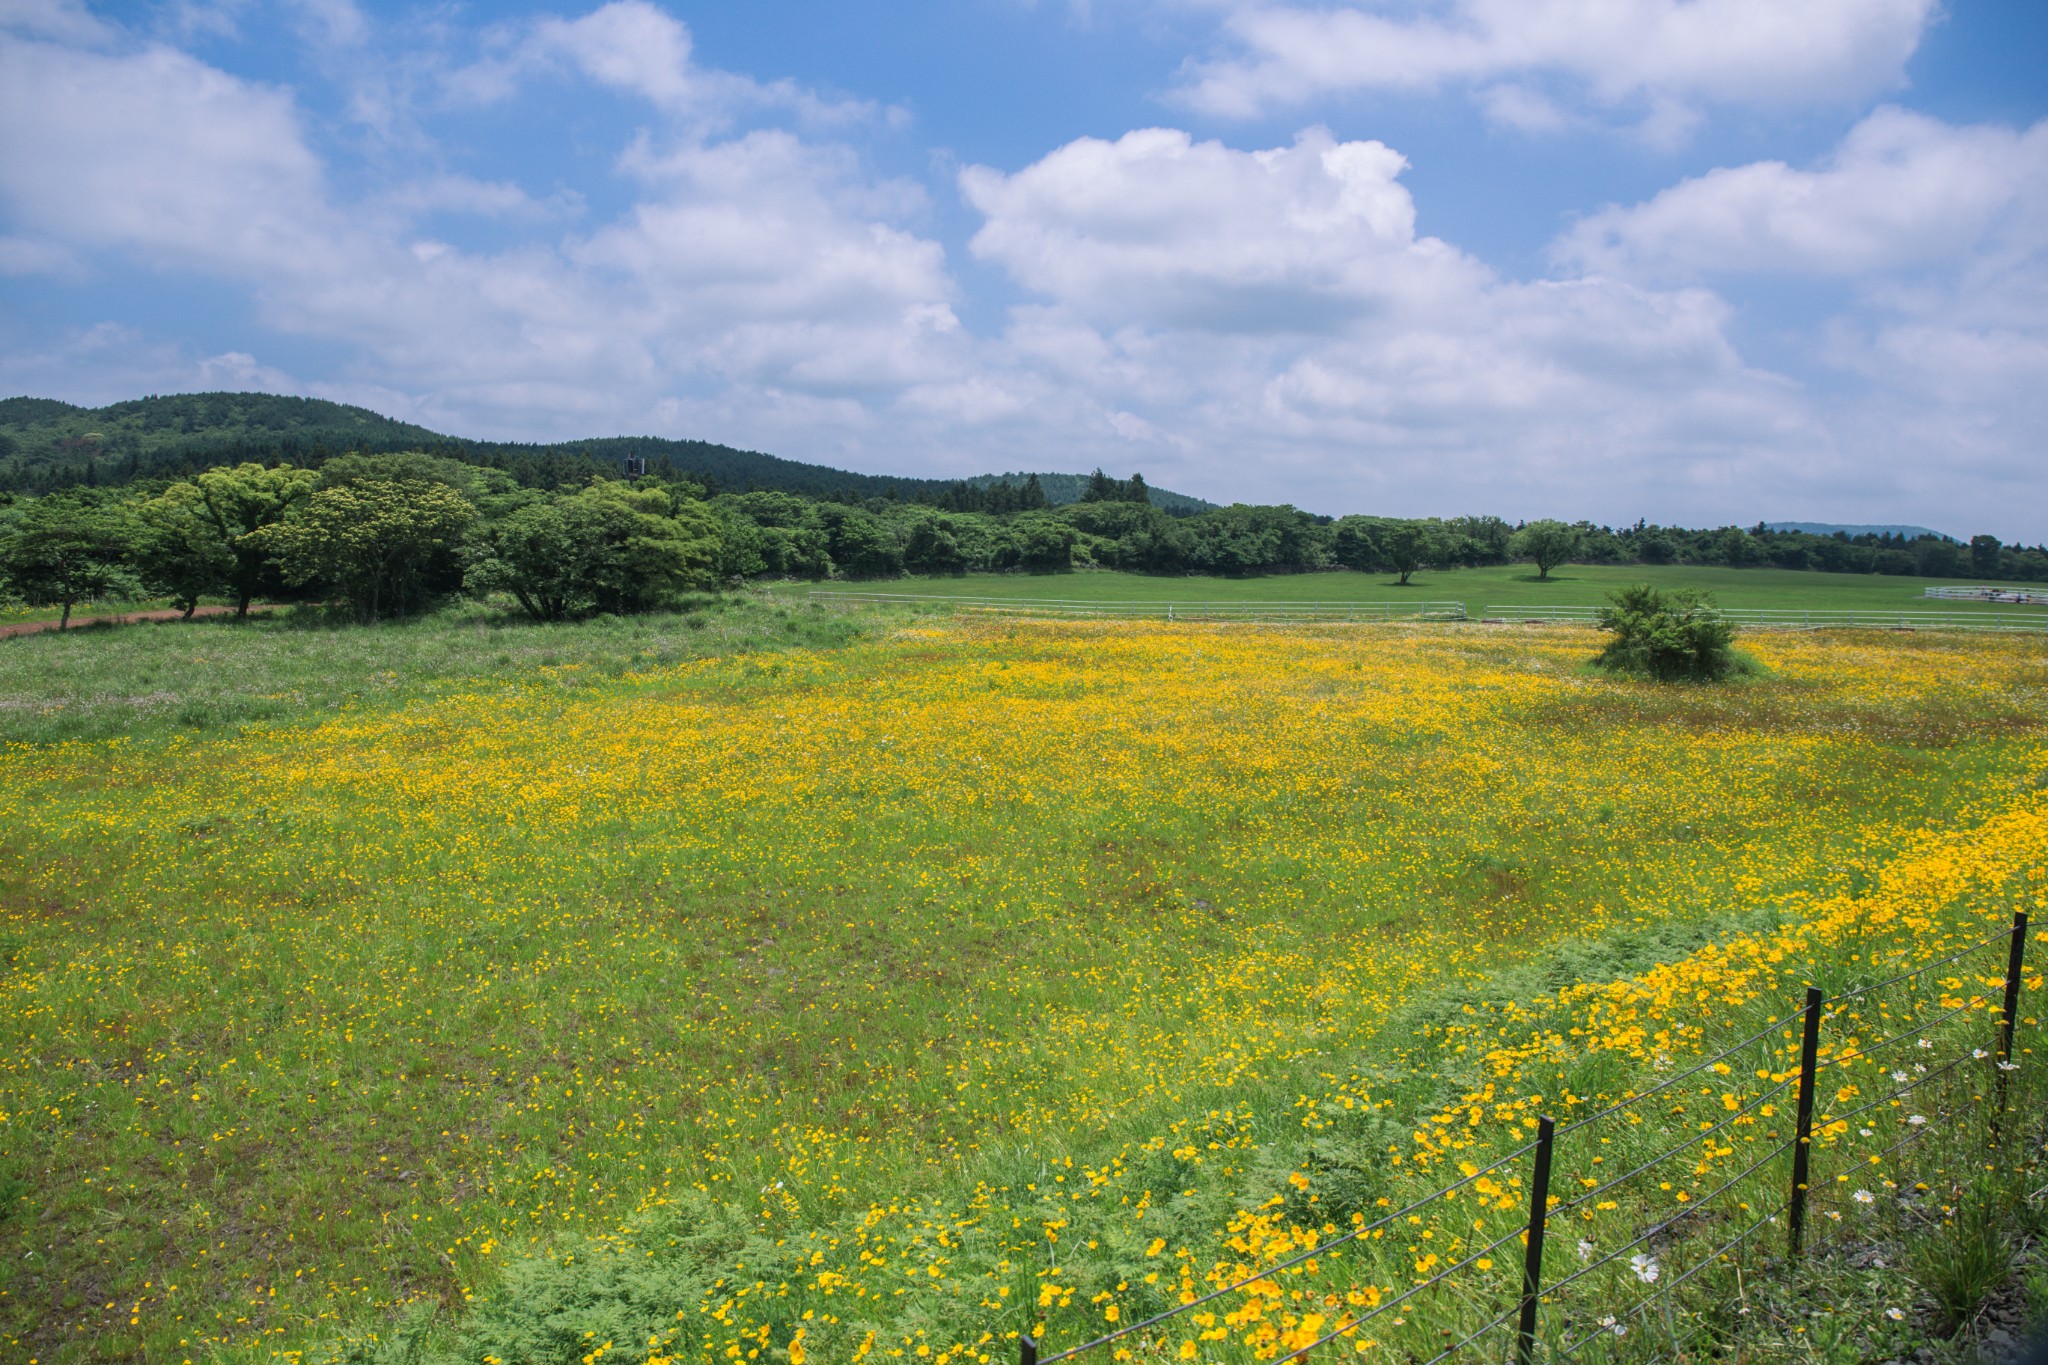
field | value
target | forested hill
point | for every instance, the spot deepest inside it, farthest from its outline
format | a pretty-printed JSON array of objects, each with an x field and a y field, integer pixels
[{"x": 46, "y": 444}]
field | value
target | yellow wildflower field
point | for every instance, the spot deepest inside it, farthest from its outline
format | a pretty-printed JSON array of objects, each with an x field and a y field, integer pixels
[{"x": 991, "y": 977}]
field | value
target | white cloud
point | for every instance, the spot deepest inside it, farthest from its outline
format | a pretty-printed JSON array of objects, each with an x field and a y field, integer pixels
[
  {"x": 66, "y": 20},
  {"x": 1158, "y": 228},
  {"x": 639, "y": 49},
  {"x": 158, "y": 151},
  {"x": 1252, "y": 312},
  {"x": 1938, "y": 235},
  {"x": 630, "y": 46},
  {"x": 761, "y": 264},
  {"x": 1663, "y": 54},
  {"x": 1902, "y": 190},
  {"x": 1259, "y": 324}
]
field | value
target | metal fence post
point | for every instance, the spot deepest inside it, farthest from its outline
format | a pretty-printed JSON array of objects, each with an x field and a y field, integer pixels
[
  {"x": 2015, "y": 960},
  {"x": 1027, "y": 1350},
  {"x": 1532, "y": 1254},
  {"x": 1802, "y": 1140}
]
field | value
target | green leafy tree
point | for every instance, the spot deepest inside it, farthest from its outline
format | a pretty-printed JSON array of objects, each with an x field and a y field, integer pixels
[
  {"x": 933, "y": 547},
  {"x": 532, "y": 554},
  {"x": 862, "y": 544},
  {"x": 1045, "y": 544},
  {"x": 1355, "y": 544},
  {"x": 177, "y": 547},
  {"x": 607, "y": 547},
  {"x": 64, "y": 549},
  {"x": 1984, "y": 556},
  {"x": 244, "y": 501},
  {"x": 643, "y": 544},
  {"x": 373, "y": 542},
  {"x": 1546, "y": 544},
  {"x": 1669, "y": 636},
  {"x": 1406, "y": 546}
]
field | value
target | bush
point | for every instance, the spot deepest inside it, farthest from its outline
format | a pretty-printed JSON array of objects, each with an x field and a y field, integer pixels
[{"x": 1669, "y": 636}]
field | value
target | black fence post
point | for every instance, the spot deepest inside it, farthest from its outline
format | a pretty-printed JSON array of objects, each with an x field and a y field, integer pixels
[
  {"x": 1532, "y": 1254},
  {"x": 2015, "y": 960},
  {"x": 1027, "y": 1350},
  {"x": 1802, "y": 1138}
]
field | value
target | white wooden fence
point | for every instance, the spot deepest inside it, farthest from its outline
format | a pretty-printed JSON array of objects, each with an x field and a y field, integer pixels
[
  {"x": 2024, "y": 597},
  {"x": 1192, "y": 610}
]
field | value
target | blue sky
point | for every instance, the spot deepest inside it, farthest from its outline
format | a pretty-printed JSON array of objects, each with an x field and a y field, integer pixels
[{"x": 1698, "y": 261}]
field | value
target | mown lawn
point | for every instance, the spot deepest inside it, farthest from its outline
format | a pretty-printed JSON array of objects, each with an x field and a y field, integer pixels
[{"x": 887, "y": 995}]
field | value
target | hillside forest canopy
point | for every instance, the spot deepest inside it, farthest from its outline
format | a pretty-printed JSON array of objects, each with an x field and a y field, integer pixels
[{"x": 567, "y": 535}]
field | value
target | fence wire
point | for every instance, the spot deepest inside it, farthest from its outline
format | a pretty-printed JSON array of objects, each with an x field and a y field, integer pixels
[{"x": 1678, "y": 1236}]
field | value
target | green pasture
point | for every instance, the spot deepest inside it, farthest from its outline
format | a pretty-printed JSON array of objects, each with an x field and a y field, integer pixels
[
  {"x": 1505, "y": 585},
  {"x": 215, "y": 674},
  {"x": 946, "y": 919}
]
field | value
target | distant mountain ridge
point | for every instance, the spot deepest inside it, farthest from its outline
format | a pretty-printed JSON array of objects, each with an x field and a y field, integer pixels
[
  {"x": 1828, "y": 528},
  {"x": 45, "y": 443}
]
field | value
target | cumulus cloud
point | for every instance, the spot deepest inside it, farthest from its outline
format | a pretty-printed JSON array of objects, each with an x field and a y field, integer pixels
[
  {"x": 759, "y": 265},
  {"x": 1228, "y": 311},
  {"x": 1662, "y": 54},
  {"x": 1901, "y": 190},
  {"x": 1156, "y": 226},
  {"x": 1938, "y": 235},
  {"x": 639, "y": 49},
  {"x": 1261, "y": 323}
]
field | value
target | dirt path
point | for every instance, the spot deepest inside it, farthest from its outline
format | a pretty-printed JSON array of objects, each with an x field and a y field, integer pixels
[{"x": 80, "y": 622}]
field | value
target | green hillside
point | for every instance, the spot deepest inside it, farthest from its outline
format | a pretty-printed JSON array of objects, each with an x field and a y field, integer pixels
[
  {"x": 44, "y": 442},
  {"x": 48, "y": 444}
]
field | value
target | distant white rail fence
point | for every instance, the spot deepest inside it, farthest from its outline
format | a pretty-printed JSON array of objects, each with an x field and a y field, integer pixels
[
  {"x": 2025, "y": 597},
  {"x": 1193, "y": 610},
  {"x": 1197, "y": 609},
  {"x": 1794, "y": 618}
]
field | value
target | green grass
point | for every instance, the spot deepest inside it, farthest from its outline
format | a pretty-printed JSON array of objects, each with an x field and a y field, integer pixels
[
  {"x": 216, "y": 673},
  {"x": 1505, "y": 585}
]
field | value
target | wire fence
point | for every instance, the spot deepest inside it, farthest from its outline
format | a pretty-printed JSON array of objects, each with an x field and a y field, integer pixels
[{"x": 1870, "y": 1074}]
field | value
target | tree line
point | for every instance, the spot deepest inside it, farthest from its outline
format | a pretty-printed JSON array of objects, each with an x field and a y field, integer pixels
[{"x": 385, "y": 535}]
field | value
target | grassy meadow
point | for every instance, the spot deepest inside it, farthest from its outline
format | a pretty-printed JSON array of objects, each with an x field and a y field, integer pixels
[
  {"x": 1504, "y": 584},
  {"x": 772, "y": 983}
]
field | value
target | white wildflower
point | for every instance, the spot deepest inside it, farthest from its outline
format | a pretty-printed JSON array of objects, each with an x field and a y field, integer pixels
[
  {"x": 1864, "y": 1197},
  {"x": 1895, "y": 1314},
  {"x": 1979, "y": 1053},
  {"x": 1611, "y": 1325},
  {"x": 1645, "y": 1266},
  {"x": 1899, "y": 1076},
  {"x": 1585, "y": 1249},
  {"x": 1916, "y": 1119}
]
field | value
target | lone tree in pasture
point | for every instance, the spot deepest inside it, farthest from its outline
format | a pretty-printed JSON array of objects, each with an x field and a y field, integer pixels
[
  {"x": 1546, "y": 544},
  {"x": 1668, "y": 636},
  {"x": 1410, "y": 545},
  {"x": 64, "y": 550}
]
